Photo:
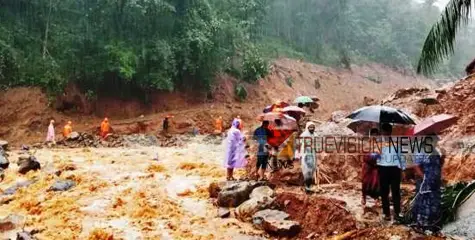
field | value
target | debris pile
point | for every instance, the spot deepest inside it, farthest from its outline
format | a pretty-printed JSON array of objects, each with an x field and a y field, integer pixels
[
  {"x": 254, "y": 202},
  {"x": 320, "y": 217}
]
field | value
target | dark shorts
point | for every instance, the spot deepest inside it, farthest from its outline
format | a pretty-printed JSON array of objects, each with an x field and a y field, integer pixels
[{"x": 262, "y": 161}]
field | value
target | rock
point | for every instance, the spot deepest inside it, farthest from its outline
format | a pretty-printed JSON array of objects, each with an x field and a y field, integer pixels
[
  {"x": 247, "y": 209},
  {"x": 4, "y": 163},
  {"x": 29, "y": 164},
  {"x": 338, "y": 116},
  {"x": 62, "y": 185},
  {"x": 24, "y": 236},
  {"x": 223, "y": 212},
  {"x": 275, "y": 222},
  {"x": 234, "y": 193},
  {"x": 367, "y": 101},
  {"x": 429, "y": 100},
  {"x": 441, "y": 91},
  {"x": 214, "y": 188},
  {"x": 4, "y": 145},
  {"x": 11, "y": 190},
  {"x": 262, "y": 192},
  {"x": 74, "y": 136},
  {"x": 10, "y": 222}
]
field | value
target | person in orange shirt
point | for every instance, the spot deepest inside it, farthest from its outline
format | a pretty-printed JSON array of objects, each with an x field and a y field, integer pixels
[
  {"x": 219, "y": 125},
  {"x": 105, "y": 128},
  {"x": 68, "y": 129}
]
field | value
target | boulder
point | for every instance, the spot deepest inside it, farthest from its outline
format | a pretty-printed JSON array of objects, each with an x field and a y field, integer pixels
[
  {"x": 62, "y": 185},
  {"x": 10, "y": 222},
  {"x": 262, "y": 192},
  {"x": 74, "y": 136},
  {"x": 429, "y": 100},
  {"x": 28, "y": 164},
  {"x": 11, "y": 190},
  {"x": 233, "y": 194},
  {"x": 4, "y": 144},
  {"x": 338, "y": 116},
  {"x": 4, "y": 163},
  {"x": 223, "y": 212},
  {"x": 247, "y": 209},
  {"x": 276, "y": 222},
  {"x": 214, "y": 188},
  {"x": 24, "y": 235}
]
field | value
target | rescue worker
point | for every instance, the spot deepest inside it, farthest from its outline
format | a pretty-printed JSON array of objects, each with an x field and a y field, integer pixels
[
  {"x": 105, "y": 128},
  {"x": 219, "y": 125},
  {"x": 68, "y": 129}
]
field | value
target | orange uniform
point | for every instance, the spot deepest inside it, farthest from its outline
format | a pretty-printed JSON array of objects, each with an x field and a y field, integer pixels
[
  {"x": 219, "y": 125},
  {"x": 68, "y": 129},
  {"x": 105, "y": 128}
]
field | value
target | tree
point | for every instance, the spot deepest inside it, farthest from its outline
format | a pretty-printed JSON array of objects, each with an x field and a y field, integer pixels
[{"x": 441, "y": 38}]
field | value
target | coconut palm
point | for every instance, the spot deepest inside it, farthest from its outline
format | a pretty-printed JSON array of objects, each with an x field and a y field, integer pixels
[{"x": 441, "y": 38}]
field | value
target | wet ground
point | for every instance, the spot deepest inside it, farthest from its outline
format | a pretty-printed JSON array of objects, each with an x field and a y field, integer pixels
[{"x": 124, "y": 193}]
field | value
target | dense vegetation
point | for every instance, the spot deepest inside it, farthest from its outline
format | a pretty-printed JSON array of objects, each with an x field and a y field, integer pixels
[{"x": 125, "y": 46}]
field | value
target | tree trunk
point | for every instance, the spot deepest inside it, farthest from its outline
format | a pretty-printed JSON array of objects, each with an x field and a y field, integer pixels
[{"x": 45, "y": 42}]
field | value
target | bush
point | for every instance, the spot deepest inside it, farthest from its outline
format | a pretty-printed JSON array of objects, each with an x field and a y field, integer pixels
[
  {"x": 289, "y": 81},
  {"x": 254, "y": 66},
  {"x": 241, "y": 92}
]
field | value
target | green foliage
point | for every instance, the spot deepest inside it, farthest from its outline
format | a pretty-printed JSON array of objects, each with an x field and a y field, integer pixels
[
  {"x": 241, "y": 92},
  {"x": 289, "y": 81},
  {"x": 123, "y": 47},
  {"x": 254, "y": 66},
  {"x": 441, "y": 38},
  {"x": 376, "y": 79}
]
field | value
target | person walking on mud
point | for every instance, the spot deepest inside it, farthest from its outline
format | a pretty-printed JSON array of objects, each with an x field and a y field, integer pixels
[
  {"x": 390, "y": 167},
  {"x": 50, "y": 137},
  {"x": 261, "y": 134},
  {"x": 235, "y": 150},
  {"x": 308, "y": 155}
]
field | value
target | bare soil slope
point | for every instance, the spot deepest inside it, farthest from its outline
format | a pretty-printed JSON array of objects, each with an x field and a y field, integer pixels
[{"x": 24, "y": 112}]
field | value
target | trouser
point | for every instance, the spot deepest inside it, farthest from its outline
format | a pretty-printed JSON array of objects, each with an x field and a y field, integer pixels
[{"x": 390, "y": 179}]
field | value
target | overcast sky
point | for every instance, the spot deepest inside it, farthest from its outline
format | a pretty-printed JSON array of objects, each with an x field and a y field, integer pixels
[{"x": 441, "y": 3}]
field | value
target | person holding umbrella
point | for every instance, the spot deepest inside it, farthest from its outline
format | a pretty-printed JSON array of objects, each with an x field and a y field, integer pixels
[
  {"x": 390, "y": 167},
  {"x": 426, "y": 211}
]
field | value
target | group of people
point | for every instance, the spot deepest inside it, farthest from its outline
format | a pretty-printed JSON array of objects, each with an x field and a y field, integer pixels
[
  {"x": 105, "y": 129},
  {"x": 382, "y": 174},
  {"x": 236, "y": 155}
]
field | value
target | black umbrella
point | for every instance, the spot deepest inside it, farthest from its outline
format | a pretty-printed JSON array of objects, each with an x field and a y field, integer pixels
[{"x": 381, "y": 114}]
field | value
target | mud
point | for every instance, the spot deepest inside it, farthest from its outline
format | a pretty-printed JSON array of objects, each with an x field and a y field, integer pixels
[{"x": 320, "y": 217}]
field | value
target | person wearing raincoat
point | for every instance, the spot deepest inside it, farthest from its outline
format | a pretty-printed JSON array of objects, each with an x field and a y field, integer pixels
[
  {"x": 235, "y": 149},
  {"x": 308, "y": 155},
  {"x": 50, "y": 134},
  {"x": 105, "y": 128},
  {"x": 219, "y": 125},
  {"x": 68, "y": 129}
]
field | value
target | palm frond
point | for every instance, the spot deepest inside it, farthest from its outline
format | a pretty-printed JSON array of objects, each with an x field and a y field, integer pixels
[{"x": 441, "y": 38}]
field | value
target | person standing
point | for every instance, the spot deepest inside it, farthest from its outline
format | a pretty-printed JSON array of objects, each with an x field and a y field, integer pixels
[
  {"x": 68, "y": 129},
  {"x": 308, "y": 155},
  {"x": 219, "y": 125},
  {"x": 105, "y": 128},
  {"x": 50, "y": 137},
  {"x": 370, "y": 179},
  {"x": 261, "y": 134},
  {"x": 235, "y": 150},
  {"x": 390, "y": 167},
  {"x": 166, "y": 124},
  {"x": 427, "y": 203}
]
